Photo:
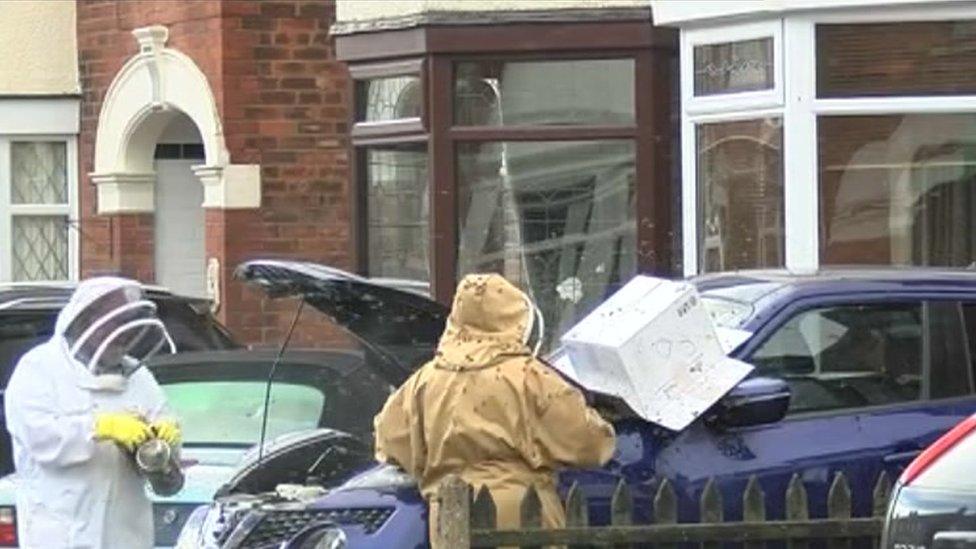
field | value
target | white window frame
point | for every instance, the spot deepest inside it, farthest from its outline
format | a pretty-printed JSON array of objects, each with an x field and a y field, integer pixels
[
  {"x": 8, "y": 210},
  {"x": 726, "y": 107},
  {"x": 725, "y": 102},
  {"x": 795, "y": 55}
]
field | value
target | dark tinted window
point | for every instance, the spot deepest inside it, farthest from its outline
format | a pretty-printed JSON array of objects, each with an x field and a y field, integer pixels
[
  {"x": 949, "y": 355},
  {"x": 19, "y": 332},
  {"x": 969, "y": 315},
  {"x": 192, "y": 329},
  {"x": 847, "y": 356},
  {"x": 850, "y": 356}
]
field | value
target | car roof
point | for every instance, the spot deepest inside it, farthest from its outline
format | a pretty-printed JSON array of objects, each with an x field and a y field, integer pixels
[
  {"x": 54, "y": 295},
  {"x": 842, "y": 279}
]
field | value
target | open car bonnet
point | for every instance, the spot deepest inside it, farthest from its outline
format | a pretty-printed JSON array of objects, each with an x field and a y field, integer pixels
[
  {"x": 398, "y": 326},
  {"x": 321, "y": 456}
]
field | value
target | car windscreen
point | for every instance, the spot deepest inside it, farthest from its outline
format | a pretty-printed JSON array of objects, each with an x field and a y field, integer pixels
[
  {"x": 230, "y": 413},
  {"x": 731, "y": 306},
  {"x": 221, "y": 402}
]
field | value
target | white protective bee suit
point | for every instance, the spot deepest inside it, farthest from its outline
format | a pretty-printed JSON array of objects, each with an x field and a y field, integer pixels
[{"x": 74, "y": 490}]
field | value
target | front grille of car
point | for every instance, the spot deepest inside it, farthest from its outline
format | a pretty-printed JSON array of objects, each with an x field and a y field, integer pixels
[
  {"x": 168, "y": 520},
  {"x": 280, "y": 526}
]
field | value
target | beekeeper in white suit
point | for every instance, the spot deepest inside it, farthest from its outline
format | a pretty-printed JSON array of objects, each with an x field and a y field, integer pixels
[{"x": 77, "y": 405}]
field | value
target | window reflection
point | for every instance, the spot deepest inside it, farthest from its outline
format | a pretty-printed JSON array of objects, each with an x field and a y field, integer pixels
[
  {"x": 556, "y": 218},
  {"x": 386, "y": 99},
  {"x": 863, "y": 59},
  {"x": 898, "y": 189},
  {"x": 740, "y": 188},
  {"x": 502, "y": 93}
]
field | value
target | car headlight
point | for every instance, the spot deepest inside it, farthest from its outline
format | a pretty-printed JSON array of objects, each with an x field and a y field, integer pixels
[
  {"x": 379, "y": 478},
  {"x": 332, "y": 538},
  {"x": 318, "y": 536},
  {"x": 191, "y": 536}
]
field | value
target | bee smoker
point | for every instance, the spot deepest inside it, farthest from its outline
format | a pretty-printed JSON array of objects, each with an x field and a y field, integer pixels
[{"x": 159, "y": 463}]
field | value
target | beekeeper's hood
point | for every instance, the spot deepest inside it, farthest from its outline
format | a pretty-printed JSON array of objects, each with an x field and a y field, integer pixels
[
  {"x": 490, "y": 319},
  {"x": 110, "y": 328}
]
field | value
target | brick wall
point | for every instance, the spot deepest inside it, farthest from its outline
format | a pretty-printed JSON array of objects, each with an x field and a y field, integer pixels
[{"x": 283, "y": 100}]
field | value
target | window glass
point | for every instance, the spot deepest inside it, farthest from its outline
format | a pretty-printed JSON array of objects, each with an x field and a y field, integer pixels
[
  {"x": 740, "y": 189},
  {"x": 948, "y": 350},
  {"x": 502, "y": 93},
  {"x": 39, "y": 243},
  {"x": 397, "y": 212},
  {"x": 556, "y": 218},
  {"x": 733, "y": 67},
  {"x": 850, "y": 356},
  {"x": 231, "y": 412},
  {"x": 38, "y": 173},
  {"x": 726, "y": 313},
  {"x": 847, "y": 356},
  {"x": 969, "y": 316},
  {"x": 898, "y": 189},
  {"x": 19, "y": 333},
  {"x": 933, "y": 58},
  {"x": 386, "y": 99},
  {"x": 40, "y": 247}
]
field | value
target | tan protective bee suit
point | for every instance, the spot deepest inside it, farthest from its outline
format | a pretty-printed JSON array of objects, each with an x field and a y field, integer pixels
[{"x": 485, "y": 409}]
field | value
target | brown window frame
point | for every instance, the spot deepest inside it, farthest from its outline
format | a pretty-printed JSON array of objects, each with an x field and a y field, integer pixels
[
  {"x": 435, "y": 51},
  {"x": 365, "y": 135}
]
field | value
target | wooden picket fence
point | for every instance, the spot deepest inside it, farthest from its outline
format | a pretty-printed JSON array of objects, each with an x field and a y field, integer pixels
[{"x": 468, "y": 520}]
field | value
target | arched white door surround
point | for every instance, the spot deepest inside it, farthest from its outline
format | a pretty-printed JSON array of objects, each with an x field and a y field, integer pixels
[{"x": 147, "y": 94}]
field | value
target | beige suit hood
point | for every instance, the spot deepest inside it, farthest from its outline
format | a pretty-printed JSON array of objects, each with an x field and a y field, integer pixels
[{"x": 489, "y": 320}]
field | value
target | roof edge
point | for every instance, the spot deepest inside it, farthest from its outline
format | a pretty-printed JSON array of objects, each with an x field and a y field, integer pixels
[{"x": 484, "y": 17}]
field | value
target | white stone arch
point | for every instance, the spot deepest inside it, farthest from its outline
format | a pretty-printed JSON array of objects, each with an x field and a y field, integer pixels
[{"x": 148, "y": 92}]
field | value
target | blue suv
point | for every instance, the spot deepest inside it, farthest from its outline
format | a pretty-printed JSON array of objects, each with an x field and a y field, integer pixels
[{"x": 856, "y": 371}]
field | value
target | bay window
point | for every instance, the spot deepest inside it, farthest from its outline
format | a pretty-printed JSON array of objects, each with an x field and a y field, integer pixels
[
  {"x": 830, "y": 138},
  {"x": 549, "y": 165}
]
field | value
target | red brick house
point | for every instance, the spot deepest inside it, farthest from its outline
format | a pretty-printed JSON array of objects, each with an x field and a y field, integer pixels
[{"x": 246, "y": 98}]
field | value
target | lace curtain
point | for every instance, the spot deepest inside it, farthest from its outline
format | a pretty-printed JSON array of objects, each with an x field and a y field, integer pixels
[{"x": 39, "y": 243}]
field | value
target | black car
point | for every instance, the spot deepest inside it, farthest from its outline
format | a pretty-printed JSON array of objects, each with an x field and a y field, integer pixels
[
  {"x": 317, "y": 398},
  {"x": 934, "y": 504},
  {"x": 28, "y": 313}
]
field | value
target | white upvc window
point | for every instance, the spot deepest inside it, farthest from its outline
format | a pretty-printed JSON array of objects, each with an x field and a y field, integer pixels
[
  {"x": 872, "y": 169},
  {"x": 38, "y": 208},
  {"x": 739, "y": 68},
  {"x": 732, "y": 140}
]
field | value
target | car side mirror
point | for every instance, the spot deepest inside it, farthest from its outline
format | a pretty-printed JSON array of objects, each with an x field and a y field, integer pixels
[{"x": 755, "y": 401}]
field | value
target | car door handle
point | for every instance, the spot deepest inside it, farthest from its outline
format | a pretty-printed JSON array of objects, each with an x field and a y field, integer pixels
[
  {"x": 901, "y": 457},
  {"x": 952, "y": 540}
]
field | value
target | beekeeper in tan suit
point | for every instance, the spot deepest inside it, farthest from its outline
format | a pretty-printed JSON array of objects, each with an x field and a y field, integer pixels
[{"x": 487, "y": 410}]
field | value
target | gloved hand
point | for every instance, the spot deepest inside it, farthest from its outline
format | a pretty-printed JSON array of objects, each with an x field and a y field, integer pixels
[
  {"x": 124, "y": 428},
  {"x": 168, "y": 431}
]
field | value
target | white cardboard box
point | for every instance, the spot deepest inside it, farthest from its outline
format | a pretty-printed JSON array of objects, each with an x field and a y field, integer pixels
[{"x": 653, "y": 345}]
